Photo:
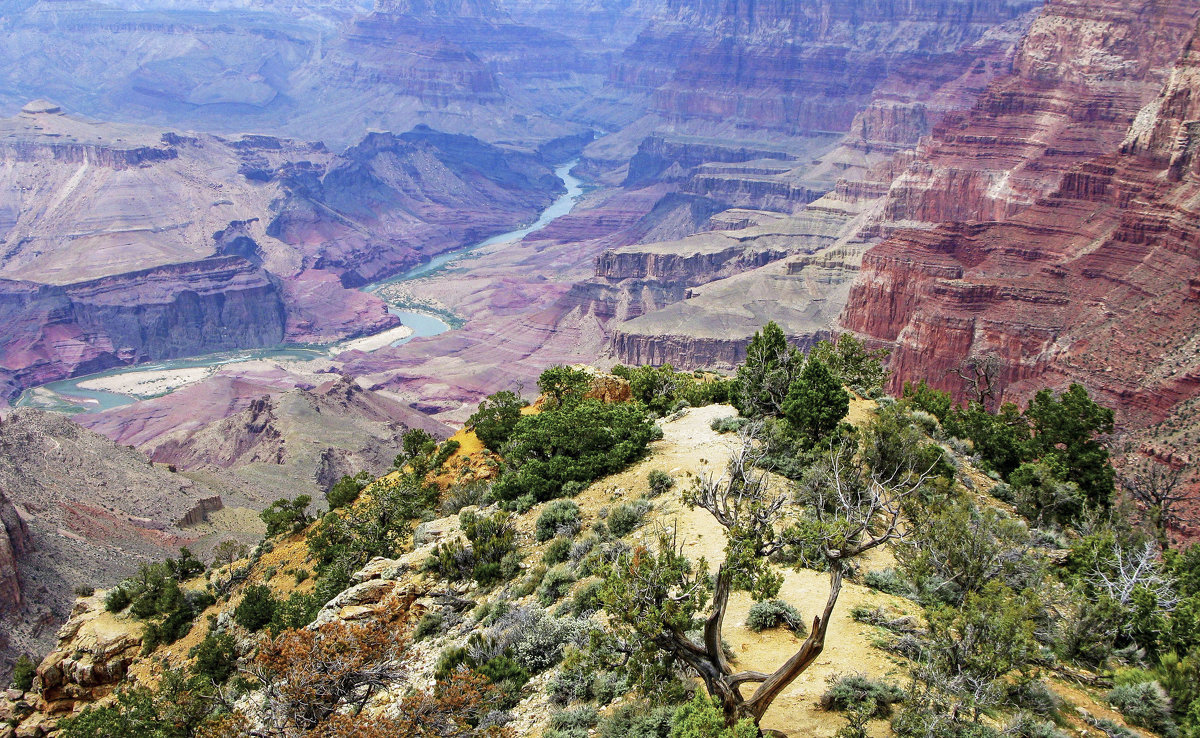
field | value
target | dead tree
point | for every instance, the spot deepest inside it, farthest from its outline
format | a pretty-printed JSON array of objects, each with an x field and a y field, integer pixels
[
  {"x": 1162, "y": 493},
  {"x": 844, "y": 511},
  {"x": 981, "y": 378}
]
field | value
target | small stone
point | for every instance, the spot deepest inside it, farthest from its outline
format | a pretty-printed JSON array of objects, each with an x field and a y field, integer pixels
[{"x": 15, "y": 694}]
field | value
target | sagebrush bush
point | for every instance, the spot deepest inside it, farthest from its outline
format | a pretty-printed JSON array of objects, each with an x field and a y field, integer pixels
[
  {"x": 638, "y": 720},
  {"x": 1033, "y": 695},
  {"x": 555, "y": 584},
  {"x": 557, "y": 552},
  {"x": 1027, "y": 725},
  {"x": 560, "y": 518},
  {"x": 731, "y": 424},
  {"x": 431, "y": 623},
  {"x": 848, "y": 692},
  {"x": 659, "y": 482},
  {"x": 772, "y": 614},
  {"x": 624, "y": 518},
  {"x": 1145, "y": 704},
  {"x": 889, "y": 581}
]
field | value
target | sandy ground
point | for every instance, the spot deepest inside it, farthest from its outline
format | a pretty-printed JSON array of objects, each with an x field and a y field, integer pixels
[
  {"x": 374, "y": 342},
  {"x": 149, "y": 383},
  {"x": 689, "y": 445}
]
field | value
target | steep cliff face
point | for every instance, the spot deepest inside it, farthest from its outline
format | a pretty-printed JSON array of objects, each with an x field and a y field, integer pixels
[
  {"x": 55, "y": 331},
  {"x": 14, "y": 545},
  {"x": 1081, "y": 74},
  {"x": 792, "y": 66},
  {"x": 1093, "y": 283},
  {"x": 75, "y": 508}
]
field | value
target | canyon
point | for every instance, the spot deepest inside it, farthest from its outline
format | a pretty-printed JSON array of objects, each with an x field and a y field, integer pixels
[{"x": 947, "y": 179}]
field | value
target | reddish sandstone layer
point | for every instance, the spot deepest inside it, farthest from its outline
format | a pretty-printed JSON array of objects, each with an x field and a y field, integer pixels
[{"x": 1095, "y": 283}]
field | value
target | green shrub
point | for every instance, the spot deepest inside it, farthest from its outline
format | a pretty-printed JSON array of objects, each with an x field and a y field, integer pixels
[
  {"x": 731, "y": 424},
  {"x": 638, "y": 720},
  {"x": 587, "y": 599},
  {"x": 286, "y": 516},
  {"x": 659, "y": 482},
  {"x": 84, "y": 590},
  {"x": 555, "y": 584},
  {"x": 117, "y": 599},
  {"x": 557, "y": 552},
  {"x": 1145, "y": 704},
  {"x": 347, "y": 489},
  {"x": 431, "y": 623},
  {"x": 575, "y": 721},
  {"x": 625, "y": 517},
  {"x": 257, "y": 608},
  {"x": 850, "y": 692},
  {"x": 23, "y": 673},
  {"x": 1026, "y": 725},
  {"x": 772, "y": 614},
  {"x": 703, "y": 718},
  {"x": 889, "y": 581},
  {"x": 560, "y": 518},
  {"x": 496, "y": 418},
  {"x": 575, "y": 442},
  {"x": 1033, "y": 695},
  {"x": 215, "y": 657}
]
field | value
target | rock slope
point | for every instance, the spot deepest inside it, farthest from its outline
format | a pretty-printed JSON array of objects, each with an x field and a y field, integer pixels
[{"x": 1092, "y": 282}]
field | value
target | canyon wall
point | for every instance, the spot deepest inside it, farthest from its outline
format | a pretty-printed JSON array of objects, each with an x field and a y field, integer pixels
[{"x": 1091, "y": 283}]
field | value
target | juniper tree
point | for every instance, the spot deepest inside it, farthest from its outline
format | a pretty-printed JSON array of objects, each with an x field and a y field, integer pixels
[{"x": 655, "y": 597}]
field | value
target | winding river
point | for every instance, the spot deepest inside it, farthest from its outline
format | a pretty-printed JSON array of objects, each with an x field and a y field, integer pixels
[{"x": 68, "y": 396}]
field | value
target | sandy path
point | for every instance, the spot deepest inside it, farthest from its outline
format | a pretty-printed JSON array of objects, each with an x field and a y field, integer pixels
[{"x": 689, "y": 445}]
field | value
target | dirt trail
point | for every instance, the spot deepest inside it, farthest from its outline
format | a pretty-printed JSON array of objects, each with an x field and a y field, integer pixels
[{"x": 689, "y": 445}]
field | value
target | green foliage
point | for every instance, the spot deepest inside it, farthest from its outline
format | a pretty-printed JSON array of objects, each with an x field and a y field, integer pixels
[
  {"x": 638, "y": 720},
  {"x": 774, "y": 613},
  {"x": 378, "y": 526},
  {"x": 1025, "y": 725},
  {"x": 560, "y": 518},
  {"x": 1145, "y": 704},
  {"x": 414, "y": 444},
  {"x": 1040, "y": 494},
  {"x": 704, "y": 718},
  {"x": 257, "y": 608},
  {"x": 731, "y": 424},
  {"x": 852, "y": 364},
  {"x": 215, "y": 657},
  {"x": 564, "y": 385},
  {"x": 578, "y": 442},
  {"x": 770, "y": 369},
  {"x": 23, "y": 673},
  {"x": 555, "y": 584},
  {"x": 430, "y": 624},
  {"x": 815, "y": 402},
  {"x": 924, "y": 397},
  {"x": 659, "y": 482},
  {"x": 502, "y": 671},
  {"x": 1066, "y": 428},
  {"x": 888, "y": 580},
  {"x": 557, "y": 552},
  {"x": 286, "y": 516},
  {"x": 178, "y": 707},
  {"x": 624, "y": 518},
  {"x": 856, "y": 691},
  {"x": 155, "y": 596},
  {"x": 347, "y": 489},
  {"x": 662, "y": 389},
  {"x": 572, "y": 723},
  {"x": 496, "y": 419},
  {"x": 491, "y": 557}
]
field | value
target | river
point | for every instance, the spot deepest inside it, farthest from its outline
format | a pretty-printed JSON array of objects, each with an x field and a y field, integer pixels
[{"x": 68, "y": 396}]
